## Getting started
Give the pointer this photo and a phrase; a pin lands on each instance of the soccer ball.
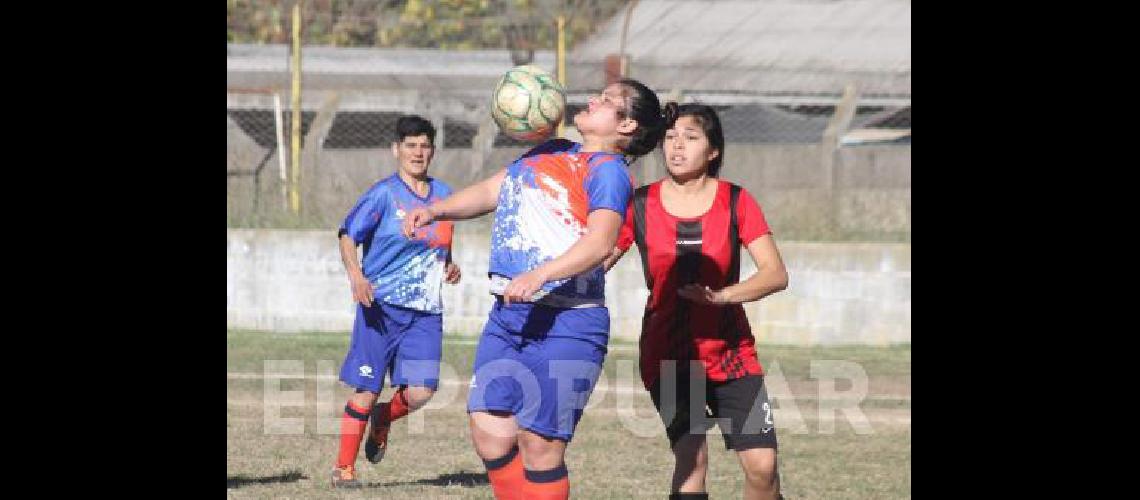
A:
(528, 103)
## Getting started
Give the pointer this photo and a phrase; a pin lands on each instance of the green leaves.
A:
(446, 24)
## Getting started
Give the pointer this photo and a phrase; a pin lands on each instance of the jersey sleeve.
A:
(625, 235)
(750, 218)
(443, 191)
(363, 217)
(608, 186)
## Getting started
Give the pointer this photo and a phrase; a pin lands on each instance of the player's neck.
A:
(597, 145)
(689, 186)
(419, 184)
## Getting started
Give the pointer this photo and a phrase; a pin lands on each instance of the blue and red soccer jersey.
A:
(543, 204)
(403, 272)
(540, 361)
(705, 250)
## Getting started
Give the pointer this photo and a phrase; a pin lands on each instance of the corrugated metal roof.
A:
(762, 46)
(354, 68)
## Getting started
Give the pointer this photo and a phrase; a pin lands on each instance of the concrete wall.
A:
(839, 293)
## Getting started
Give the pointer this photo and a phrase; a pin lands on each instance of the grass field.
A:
(619, 449)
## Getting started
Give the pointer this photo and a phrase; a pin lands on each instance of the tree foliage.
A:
(446, 24)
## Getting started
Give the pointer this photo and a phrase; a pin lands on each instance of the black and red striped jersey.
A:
(676, 251)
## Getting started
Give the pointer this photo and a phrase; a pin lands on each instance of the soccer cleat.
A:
(377, 442)
(345, 477)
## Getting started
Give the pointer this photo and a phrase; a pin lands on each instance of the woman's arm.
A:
(361, 289)
(770, 277)
(624, 239)
(613, 257)
(473, 201)
(590, 250)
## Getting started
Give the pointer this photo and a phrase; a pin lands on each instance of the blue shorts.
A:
(539, 363)
(403, 343)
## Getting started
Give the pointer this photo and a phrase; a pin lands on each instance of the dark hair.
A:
(646, 110)
(710, 123)
(412, 125)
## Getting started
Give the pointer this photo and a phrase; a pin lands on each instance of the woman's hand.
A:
(524, 286)
(362, 290)
(703, 295)
(452, 274)
(417, 218)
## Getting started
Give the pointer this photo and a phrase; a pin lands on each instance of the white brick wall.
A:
(839, 293)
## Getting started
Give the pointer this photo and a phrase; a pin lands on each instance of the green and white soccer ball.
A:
(528, 103)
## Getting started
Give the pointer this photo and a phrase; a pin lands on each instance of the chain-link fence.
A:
(826, 162)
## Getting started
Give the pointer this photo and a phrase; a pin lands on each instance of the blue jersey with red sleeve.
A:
(404, 272)
(542, 209)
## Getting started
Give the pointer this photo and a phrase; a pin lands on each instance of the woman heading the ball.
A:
(558, 209)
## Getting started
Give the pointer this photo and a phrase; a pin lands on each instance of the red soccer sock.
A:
(551, 484)
(506, 475)
(396, 408)
(352, 425)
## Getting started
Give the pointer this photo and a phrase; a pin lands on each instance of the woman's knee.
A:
(363, 399)
(760, 467)
(541, 453)
(493, 435)
(418, 396)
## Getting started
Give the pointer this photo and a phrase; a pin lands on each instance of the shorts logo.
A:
(472, 384)
(366, 371)
(767, 418)
(400, 213)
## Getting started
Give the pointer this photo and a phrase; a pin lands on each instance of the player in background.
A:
(689, 227)
(558, 209)
(398, 328)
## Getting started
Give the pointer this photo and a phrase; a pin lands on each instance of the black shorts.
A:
(740, 407)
